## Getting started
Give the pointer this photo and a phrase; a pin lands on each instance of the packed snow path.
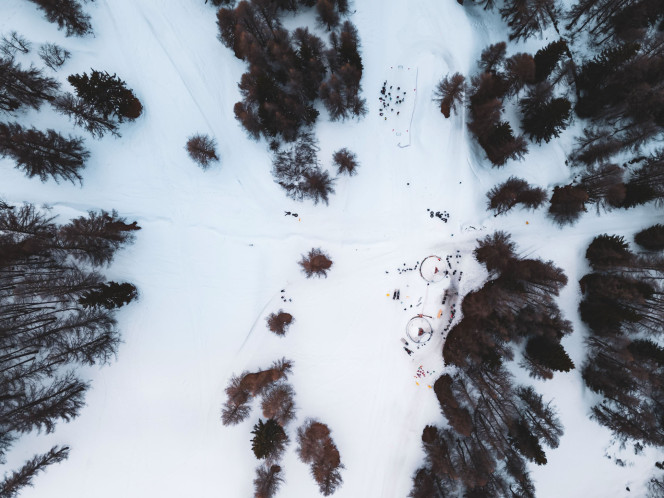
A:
(216, 250)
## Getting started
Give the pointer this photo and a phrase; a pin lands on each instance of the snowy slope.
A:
(216, 250)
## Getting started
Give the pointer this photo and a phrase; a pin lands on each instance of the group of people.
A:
(387, 100)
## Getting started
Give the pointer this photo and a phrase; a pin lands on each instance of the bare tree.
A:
(53, 55)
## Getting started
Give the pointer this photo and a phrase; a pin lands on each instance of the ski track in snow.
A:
(215, 250)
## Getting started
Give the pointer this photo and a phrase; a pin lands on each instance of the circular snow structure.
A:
(419, 329)
(432, 269)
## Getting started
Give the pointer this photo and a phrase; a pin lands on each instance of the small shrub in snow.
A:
(279, 322)
(269, 441)
(346, 162)
(53, 55)
(316, 262)
(201, 149)
(267, 482)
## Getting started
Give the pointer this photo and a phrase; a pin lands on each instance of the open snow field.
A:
(215, 252)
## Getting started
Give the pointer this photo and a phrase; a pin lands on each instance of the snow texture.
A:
(216, 251)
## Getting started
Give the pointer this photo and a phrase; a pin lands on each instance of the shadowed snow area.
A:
(215, 251)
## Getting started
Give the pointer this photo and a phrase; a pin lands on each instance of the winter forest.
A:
(297, 248)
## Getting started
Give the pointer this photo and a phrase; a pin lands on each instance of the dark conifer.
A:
(269, 441)
(68, 14)
(85, 116)
(449, 93)
(528, 17)
(567, 204)
(651, 238)
(11, 486)
(23, 88)
(106, 94)
(547, 59)
(606, 251)
(548, 120)
(43, 154)
(513, 191)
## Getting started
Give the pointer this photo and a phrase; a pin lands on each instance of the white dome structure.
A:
(432, 269)
(419, 329)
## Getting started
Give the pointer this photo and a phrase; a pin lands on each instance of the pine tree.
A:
(567, 204)
(11, 486)
(651, 238)
(85, 116)
(528, 17)
(269, 440)
(547, 121)
(95, 238)
(68, 14)
(23, 88)
(547, 59)
(267, 481)
(449, 93)
(608, 251)
(43, 154)
(109, 296)
(327, 14)
(106, 94)
(548, 353)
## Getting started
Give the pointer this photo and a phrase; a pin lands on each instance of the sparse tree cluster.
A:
(46, 270)
(243, 388)
(622, 307)
(288, 72)
(316, 447)
(513, 191)
(487, 91)
(296, 169)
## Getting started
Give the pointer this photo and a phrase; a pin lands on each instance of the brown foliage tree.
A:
(201, 148)
(278, 403)
(450, 92)
(316, 262)
(316, 447)
(345, 161)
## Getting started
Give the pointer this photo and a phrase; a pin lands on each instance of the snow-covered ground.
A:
(216, 251)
